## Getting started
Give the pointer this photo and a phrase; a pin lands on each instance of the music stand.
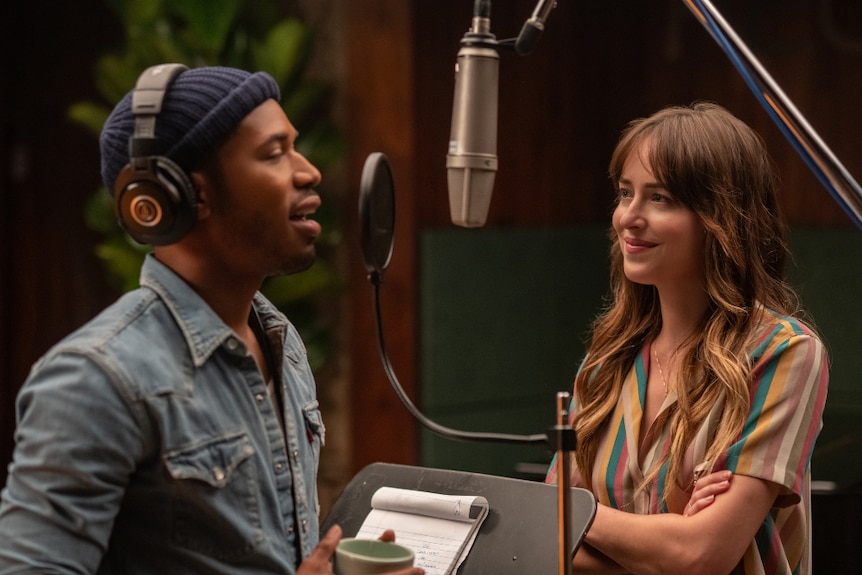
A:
(518, 536)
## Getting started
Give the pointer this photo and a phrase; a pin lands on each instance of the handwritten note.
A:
(439, 528)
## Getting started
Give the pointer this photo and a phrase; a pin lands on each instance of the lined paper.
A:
(440, 529)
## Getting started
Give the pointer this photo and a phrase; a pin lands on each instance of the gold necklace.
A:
(660, 372)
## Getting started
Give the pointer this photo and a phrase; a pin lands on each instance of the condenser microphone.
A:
(471, 162)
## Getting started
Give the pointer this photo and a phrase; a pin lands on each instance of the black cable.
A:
(440, 430)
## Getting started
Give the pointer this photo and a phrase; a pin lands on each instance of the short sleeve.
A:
(790, 379)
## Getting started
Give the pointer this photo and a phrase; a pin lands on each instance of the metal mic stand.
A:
(563, 441)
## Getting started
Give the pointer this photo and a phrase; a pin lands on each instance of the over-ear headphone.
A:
(154, 200)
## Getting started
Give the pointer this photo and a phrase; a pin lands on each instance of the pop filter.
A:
(376, 213)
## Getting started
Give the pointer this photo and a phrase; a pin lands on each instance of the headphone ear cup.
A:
(154, 201)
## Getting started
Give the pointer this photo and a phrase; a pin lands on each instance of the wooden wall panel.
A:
(51, 279)
(381, 118)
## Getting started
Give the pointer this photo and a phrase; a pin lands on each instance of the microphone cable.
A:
(441, 430)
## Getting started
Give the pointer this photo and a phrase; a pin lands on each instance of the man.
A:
(179, 431)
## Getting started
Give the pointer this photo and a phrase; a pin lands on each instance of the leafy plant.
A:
(247, 34)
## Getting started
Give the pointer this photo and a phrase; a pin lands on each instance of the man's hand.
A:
(320, 560)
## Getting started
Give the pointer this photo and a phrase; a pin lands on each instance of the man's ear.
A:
(203, 191)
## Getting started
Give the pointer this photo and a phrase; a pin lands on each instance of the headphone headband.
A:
(151, 87)
(147, 99)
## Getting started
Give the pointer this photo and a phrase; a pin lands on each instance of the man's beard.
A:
(252, 232)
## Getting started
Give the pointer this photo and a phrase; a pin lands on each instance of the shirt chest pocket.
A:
(215, 505)
(213, 462)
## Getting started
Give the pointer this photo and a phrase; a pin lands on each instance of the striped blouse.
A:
(788, 393)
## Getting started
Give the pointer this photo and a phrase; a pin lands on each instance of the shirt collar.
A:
(203, 330)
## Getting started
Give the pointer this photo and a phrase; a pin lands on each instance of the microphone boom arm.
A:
(793, 125)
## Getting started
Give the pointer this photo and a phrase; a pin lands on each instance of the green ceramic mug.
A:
(370, 557)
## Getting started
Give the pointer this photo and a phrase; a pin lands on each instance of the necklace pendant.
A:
(660, 372)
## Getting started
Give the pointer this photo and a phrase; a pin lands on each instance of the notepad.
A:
(439, 528)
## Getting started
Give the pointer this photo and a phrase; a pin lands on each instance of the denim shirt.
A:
(147, 443)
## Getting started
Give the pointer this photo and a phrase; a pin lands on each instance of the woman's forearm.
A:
(712, 541)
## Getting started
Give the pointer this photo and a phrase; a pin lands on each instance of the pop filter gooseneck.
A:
(377, 228)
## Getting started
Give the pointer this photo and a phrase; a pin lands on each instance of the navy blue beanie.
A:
(202, 108)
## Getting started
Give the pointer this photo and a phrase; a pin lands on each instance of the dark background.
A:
(598, 65)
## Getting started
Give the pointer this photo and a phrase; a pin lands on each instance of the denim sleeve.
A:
(77, 441)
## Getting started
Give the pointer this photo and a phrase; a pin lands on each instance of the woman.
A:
(698, 403)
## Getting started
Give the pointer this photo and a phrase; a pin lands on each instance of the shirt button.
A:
(278, 467)
(259, 397)
(304, 524)
(296, 455)
(232, 344)
(218, 473)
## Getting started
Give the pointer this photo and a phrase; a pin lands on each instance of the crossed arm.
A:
(710, 536)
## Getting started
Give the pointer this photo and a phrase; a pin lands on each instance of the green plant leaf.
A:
(283, 52)
(314, 282)
(114, 77)
(130, 12)
(322, 145)
(90, 115)
(99, 213)
(306, 100)
(123, 260)
(205, 24)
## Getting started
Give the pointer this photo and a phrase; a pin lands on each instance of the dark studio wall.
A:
(50, 279)
(598, 65)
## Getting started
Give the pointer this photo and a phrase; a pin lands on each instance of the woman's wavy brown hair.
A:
(718, 167)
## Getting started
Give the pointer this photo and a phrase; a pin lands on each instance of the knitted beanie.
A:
(201, 109)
